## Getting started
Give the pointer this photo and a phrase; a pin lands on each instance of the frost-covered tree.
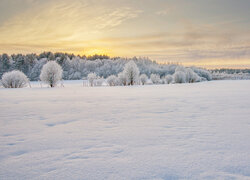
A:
(203, 73)
(131, 72)
(155, 78)
(122, 79)
(51, 73)
(191, 76)
(143, 79)
(168, 79)
(14, 79)
(91, 78)
(112, 80)
(180, 74)
(179, 77)
(99, 81)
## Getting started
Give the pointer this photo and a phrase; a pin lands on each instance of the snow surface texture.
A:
(176, 131)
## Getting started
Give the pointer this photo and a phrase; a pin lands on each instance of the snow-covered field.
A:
(177, 131)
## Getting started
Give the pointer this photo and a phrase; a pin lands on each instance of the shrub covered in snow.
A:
(179, 77)
(202, 73)
(122, 79)
(191, 76)
(99, 81)
(51, 73)
(155, 78)
(14, 79)
(168, 79)
(112, 80)
(91, 78)
(143, 79)
(131, 72)
(186, 75)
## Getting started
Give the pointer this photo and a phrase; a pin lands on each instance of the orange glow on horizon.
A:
(93, 51)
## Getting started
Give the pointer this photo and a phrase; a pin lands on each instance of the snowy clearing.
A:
(176, 131)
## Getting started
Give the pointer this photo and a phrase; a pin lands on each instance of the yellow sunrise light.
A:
(93, 51)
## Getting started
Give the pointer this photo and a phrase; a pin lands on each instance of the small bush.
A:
(143, 79)
(99, 81)
(168, 79)
(91, 78)
(155, 78)
(122, 79)
(14, 79)
(112, 80)
(179, 77)
(191, 76)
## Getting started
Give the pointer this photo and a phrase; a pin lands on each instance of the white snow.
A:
(176, 131)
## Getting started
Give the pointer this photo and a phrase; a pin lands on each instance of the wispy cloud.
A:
(115, 17)
(63, 23)
(165, 11)
(164, 31)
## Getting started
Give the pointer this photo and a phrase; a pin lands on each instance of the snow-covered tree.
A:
(14, 79)
(91, 78)
(99, 81)
(143, 79)
(155, 78)
(191, 76)
(202, 73)
(131, 72)
(168, 79)
(51, 73)
(179, 77)
(112, 80)
(122, 79)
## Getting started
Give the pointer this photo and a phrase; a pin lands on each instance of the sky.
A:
(206, 33)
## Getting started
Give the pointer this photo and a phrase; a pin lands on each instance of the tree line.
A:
(77, 67)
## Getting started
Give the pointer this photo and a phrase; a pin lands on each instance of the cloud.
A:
(167, 9)
(60, 20)
(162, 13)
(116, 17)
(188, 45)
(159, 32)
